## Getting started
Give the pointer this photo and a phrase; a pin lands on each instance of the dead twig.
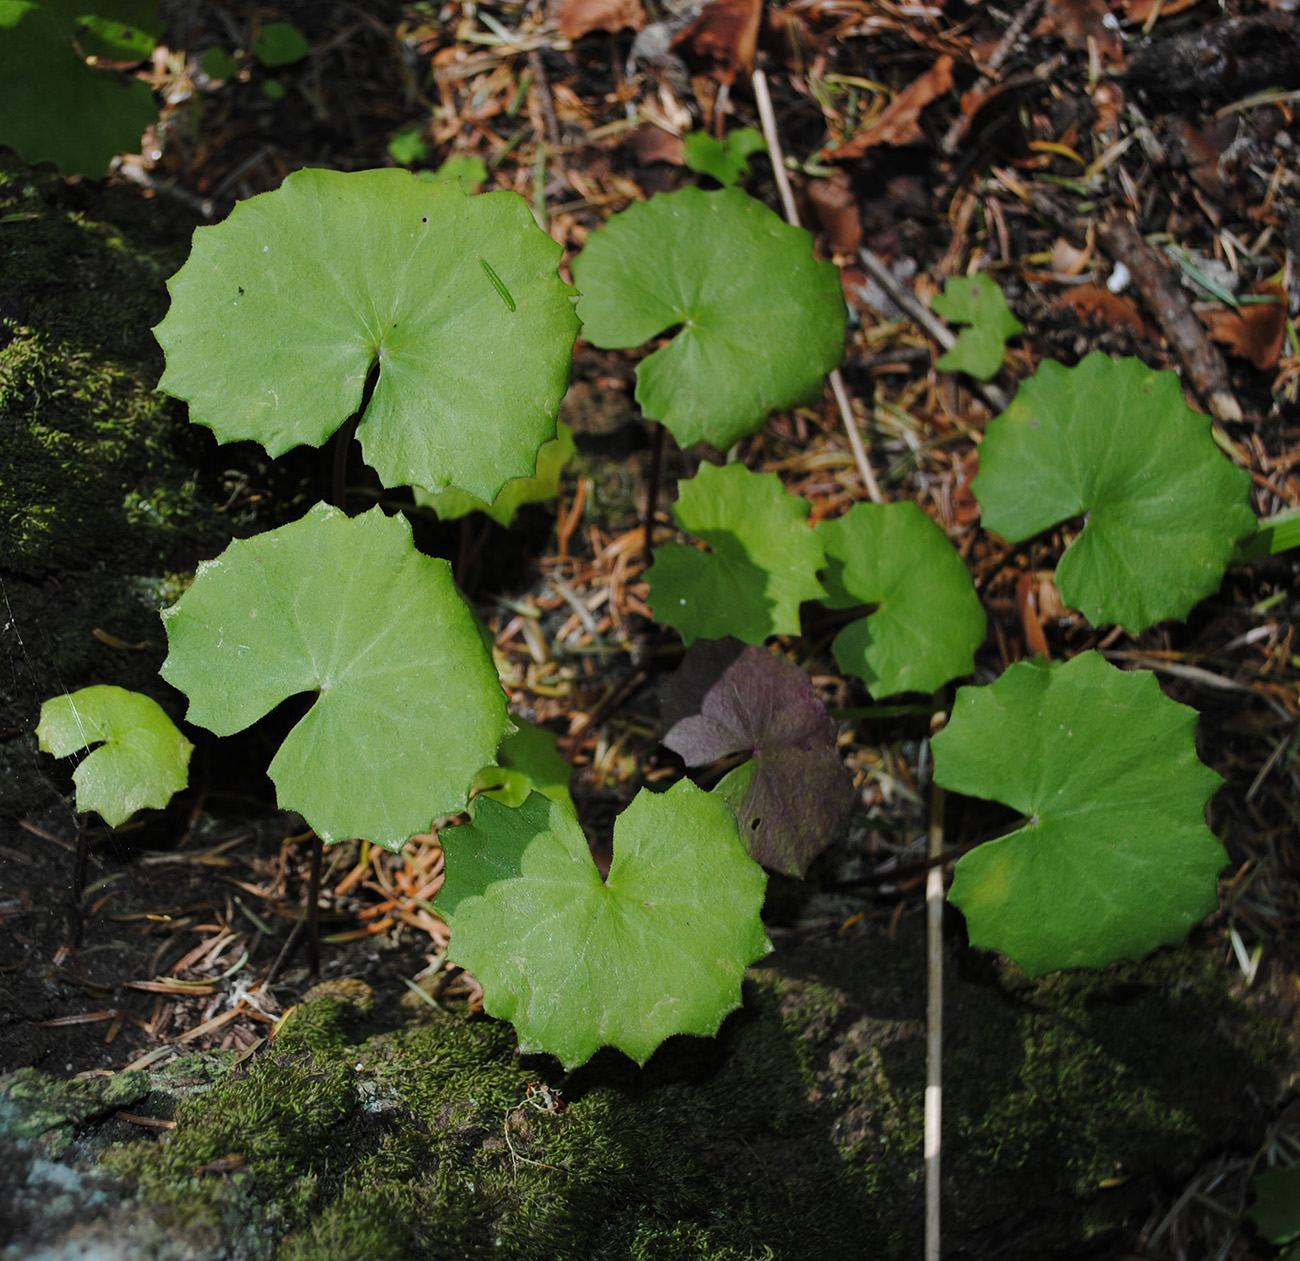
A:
(775, 152)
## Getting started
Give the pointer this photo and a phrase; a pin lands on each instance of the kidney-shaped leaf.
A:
(54, 107)
(408, 709)
(142, 759)
(758, 321)
(1114, 858)
(577, 964)
(763, 563)
(794, 795)
(929, 620)
(1115, 440)
(281, 312)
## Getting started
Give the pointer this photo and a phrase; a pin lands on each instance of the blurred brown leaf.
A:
(1092, 302)
(576, 18)
(836, 208)
(727, 32)
(1256, 332)
(898, 122)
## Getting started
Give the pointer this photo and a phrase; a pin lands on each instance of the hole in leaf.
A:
(754, 823)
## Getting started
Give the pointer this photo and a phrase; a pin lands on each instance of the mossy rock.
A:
(1070, 1103)
(96, 462)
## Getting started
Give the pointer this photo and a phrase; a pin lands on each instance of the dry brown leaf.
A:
(649, 143)
(836, 209)
(897, 123)
(1140, 10)
(576, 18)
(1069, 261)
(1255, 332)
(1093, 302)
(1077, 21)
(727, 32)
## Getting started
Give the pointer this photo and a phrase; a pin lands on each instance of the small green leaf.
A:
(408, 707)
(1114, 858)
(218, 64)
(408, 147)
(56, 108)
(528, 761)
(471, 171)
(726, 161)
(577, 964)
(283, 310)
(123, 31)
(762, 565)
(1115, 440)
(980, 349)
(929, 620)
(280, 44)
(142, 759)
(1277, 1206)
(758, 321)
(551, 459)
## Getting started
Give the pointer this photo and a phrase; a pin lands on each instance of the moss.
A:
(797, 1130)
(95, 460)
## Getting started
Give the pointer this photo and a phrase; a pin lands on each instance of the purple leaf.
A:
(793, 797)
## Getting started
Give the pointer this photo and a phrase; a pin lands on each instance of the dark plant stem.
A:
(313, 907)
(79, 860)
(342, 444)
(652, 490)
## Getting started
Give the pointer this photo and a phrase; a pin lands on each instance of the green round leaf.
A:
(551, 459)
(408, 706)
(577, 964)
(142, 759)
(763, 563)
(280, 44)
(726, 161)
(218, 64)
(760, 321)
(980, 349)
(470, 169)
(56, 108)
(1114, 858)
(282, 311)
(929, 620)
(1115, 440)
(527, 761)
(1277, 1208)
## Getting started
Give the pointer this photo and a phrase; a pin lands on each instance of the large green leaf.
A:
(980, 349)
(1277, 1206)
(1114, 858)
(577, 964)
(142, 759)
(282, 311)
(408, 705)
(928, 622)
(54, 107)
(764, 560)
(758, 321)
(1115, 440)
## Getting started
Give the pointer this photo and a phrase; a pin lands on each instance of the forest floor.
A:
(1055, 147)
